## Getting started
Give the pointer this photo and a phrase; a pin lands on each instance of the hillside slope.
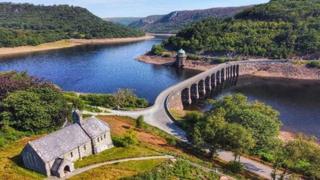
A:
(278, 29)
(27, 24)
(123, 20)
(175, 21)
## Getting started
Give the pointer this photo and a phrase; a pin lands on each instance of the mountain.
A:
(175, 21)
(278, 29)
(27, 24)
(123, 20)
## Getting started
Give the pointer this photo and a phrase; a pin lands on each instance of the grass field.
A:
(11, 165)
(120, 170)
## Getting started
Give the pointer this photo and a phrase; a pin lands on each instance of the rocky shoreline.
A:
(287, 70)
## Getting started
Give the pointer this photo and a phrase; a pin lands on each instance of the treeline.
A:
(278, 29)
(27, 24)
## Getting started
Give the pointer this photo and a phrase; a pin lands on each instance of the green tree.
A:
(26, 112)
(208, 131)
(236, 139)
(34, 110)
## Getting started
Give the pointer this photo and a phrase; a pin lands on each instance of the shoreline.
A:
(167, 61)
(288, 70)
(67, 43)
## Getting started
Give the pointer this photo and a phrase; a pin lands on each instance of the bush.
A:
(266, 156)
(157, 50)
(125, 141)
(171, 141)
(140, 122)
(193, 57)
(313, 64)
(235, 167)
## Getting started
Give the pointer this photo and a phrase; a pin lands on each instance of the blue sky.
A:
(141, 8)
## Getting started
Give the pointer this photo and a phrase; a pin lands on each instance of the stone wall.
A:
(31, 160)
(102, 143)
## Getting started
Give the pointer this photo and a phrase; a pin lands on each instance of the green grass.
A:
(119, 170)
(175, 170)
(117, 153)
(11, 166)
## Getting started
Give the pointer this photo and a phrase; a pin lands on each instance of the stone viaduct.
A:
(191, 90)
(212, 82)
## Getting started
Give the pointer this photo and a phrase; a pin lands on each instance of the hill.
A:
(175, 21)
(123, 20)
(27, 24)
(278, 29)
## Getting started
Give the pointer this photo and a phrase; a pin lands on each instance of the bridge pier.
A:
(202, 88)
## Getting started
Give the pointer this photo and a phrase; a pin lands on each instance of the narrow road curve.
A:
(158, 116)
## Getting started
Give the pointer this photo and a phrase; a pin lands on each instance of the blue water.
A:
(100, 69)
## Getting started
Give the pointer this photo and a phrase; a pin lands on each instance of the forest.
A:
(27, 24)
(278, 29)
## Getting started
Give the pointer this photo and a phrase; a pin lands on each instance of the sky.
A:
(141, 8)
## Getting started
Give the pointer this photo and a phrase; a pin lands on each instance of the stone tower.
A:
(181, 58)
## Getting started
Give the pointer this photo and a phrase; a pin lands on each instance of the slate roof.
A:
(60, 142)
(64, 140)
(95, 127)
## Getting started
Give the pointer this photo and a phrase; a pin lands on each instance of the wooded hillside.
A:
(278, 29)
(27, 24)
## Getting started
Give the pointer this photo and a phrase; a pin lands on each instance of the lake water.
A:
(297, 101)
(100, 69)
(105, 69)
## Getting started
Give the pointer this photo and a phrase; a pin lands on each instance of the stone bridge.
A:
(191, 90)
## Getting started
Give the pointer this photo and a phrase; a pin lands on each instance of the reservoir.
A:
(105, 69)
(297, 101)
(100, 69)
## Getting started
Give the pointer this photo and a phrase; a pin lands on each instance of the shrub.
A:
(140, 122)
(313, 64)
(126, 140)
(235, 167)
(171, 141)
(157, 50)
(266, 156)
(193, 57)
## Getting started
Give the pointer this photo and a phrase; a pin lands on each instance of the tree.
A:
(208, 131)
(25, 112)
(302, 155)
(236, 139)
(259, 118)
(34, 110)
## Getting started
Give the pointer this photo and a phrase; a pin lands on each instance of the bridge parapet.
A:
(213, 80)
